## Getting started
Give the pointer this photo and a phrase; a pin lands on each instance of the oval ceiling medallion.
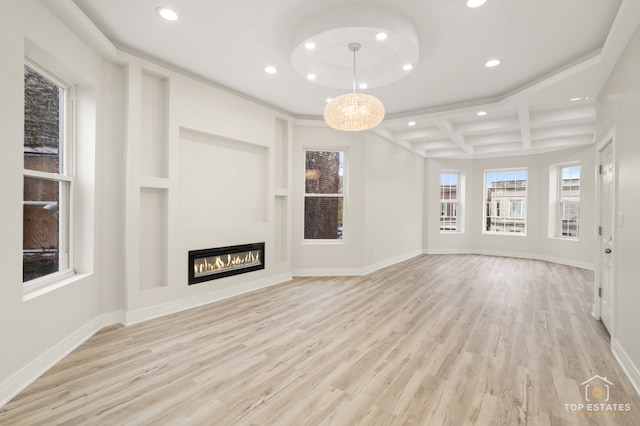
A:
(379, 61)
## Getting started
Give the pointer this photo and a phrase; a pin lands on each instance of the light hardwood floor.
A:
(436, 340)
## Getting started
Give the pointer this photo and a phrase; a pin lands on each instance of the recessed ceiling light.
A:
(381, 36)
(270, 70)
(328, 100)
(575, 99)
(311, 77)
(309, 45)
(475, 3)
(167, 14)
(411, 123)
(407, 67)
(363, 85)
(492, 63)
(482, 113)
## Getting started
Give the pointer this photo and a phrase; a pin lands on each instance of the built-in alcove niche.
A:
(153, 238)
(280, 224)
(154, 179)
(223, 185)
(281, 154)
(281, 198)
(154, 102)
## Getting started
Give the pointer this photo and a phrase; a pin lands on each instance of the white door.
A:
(607, 191)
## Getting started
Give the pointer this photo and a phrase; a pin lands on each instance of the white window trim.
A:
(459, 200)
(555, 201)
(54, 280)
(345, 174)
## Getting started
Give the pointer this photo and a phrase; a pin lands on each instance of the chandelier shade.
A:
(354, 112)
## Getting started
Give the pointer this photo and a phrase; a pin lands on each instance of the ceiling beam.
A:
(496, 138)
(447, 128)
(564, 131)
(587, 112)
(430, 145)
(418, 134)
(486, 126)
(568, 141)
(524, 116)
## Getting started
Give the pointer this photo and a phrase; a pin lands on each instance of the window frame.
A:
(560, 201)
(66, 175)
(496, 205)
(517, 202)
(456, 203)
(343, 195)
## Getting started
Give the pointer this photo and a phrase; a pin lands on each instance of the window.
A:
(48, 180)
(505, 197)
(569, 201)
(449, 202)
(324, 195)
(515, 209)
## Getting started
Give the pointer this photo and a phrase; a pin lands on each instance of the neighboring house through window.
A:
(505, 195)
(564, 201)
(450, 202)
(570, 201)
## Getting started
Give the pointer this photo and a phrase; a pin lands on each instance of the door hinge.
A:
(600, 169)
(600, 292)
(600, 231)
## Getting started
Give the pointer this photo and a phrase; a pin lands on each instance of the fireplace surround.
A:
(213, 263)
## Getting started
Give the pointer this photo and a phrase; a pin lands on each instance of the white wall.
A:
(393, 203)
(536, 244)
(383, 213)
(343, 257)
(619, 111)
(110, 190)
(38, 329)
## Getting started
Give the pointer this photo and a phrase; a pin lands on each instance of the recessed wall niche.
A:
(281, 181)
(223, 182)
(154, 101)
(280, 224)
(281, 153)
(153, 238)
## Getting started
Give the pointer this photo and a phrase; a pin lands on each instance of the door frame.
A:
(609, 138)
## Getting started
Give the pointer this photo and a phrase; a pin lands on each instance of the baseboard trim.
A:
(630, 369)
(534, 256)
(145, 314)
(333, 272)
(355, 272)
(392, 261)
(17, 382)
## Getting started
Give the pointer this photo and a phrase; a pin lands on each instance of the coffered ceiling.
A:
(555, 57)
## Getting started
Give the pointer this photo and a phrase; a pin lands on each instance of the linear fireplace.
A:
(214, 263)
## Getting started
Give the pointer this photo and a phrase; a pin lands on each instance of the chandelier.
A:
(353, 112)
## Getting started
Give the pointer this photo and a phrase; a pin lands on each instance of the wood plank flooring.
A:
(436, 340)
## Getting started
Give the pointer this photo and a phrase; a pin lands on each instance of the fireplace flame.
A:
(215, 264)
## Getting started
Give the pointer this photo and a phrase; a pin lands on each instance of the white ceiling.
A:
(551, 51)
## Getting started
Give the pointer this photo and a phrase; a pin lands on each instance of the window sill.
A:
(506, 234)
(565, 239)
(35, 290)
(323, 242)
